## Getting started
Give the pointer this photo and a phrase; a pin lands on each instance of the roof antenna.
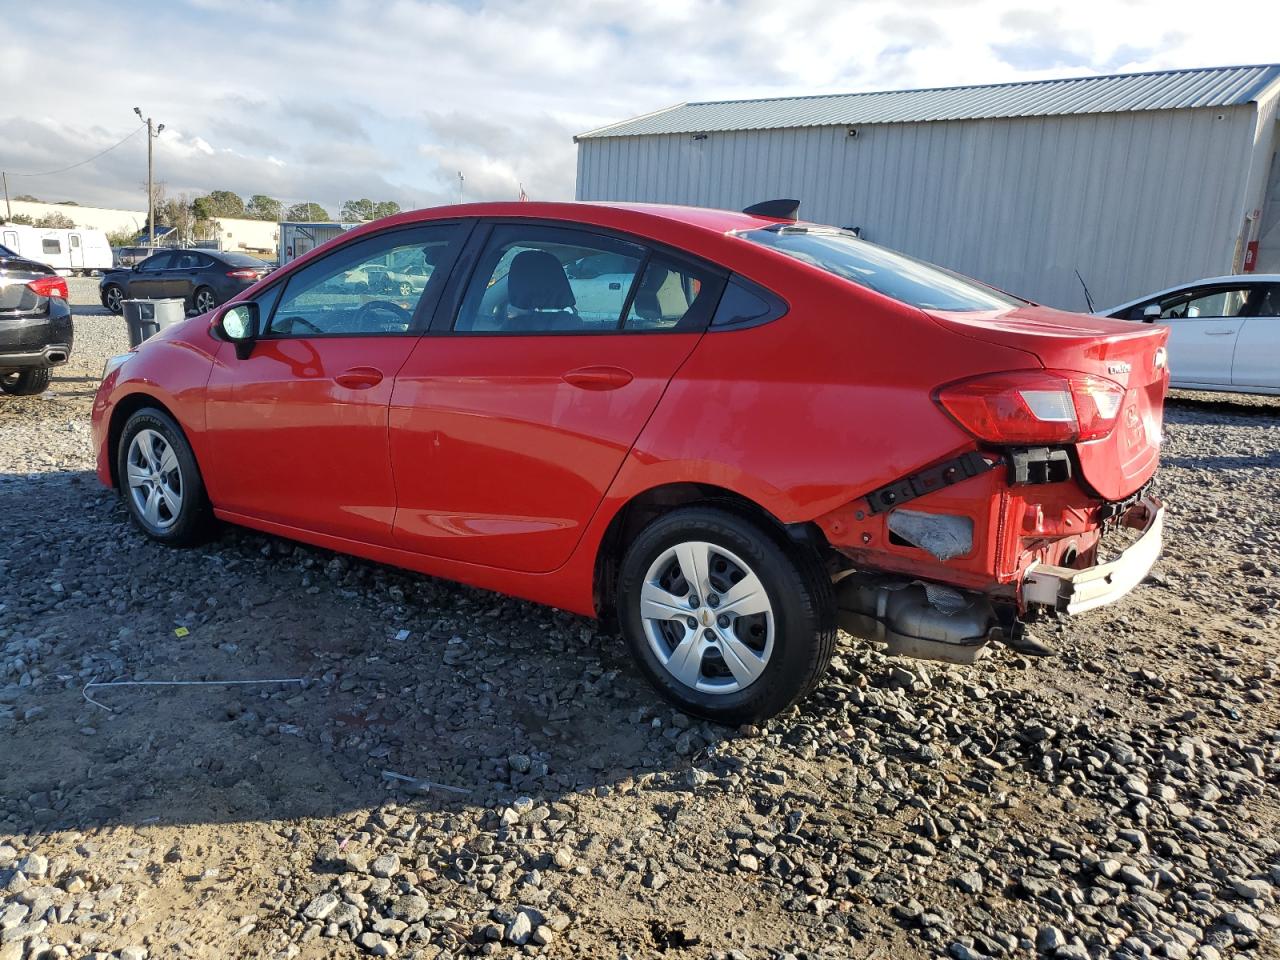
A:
(775, 210)
(1087, 299)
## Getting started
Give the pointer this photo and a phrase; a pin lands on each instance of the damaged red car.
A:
(729, 433)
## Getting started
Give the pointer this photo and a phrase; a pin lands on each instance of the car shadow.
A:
(397, 684)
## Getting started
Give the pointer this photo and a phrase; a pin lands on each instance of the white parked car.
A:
(1224, 332)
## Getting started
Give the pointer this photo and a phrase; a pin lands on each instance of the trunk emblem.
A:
(1119, 368)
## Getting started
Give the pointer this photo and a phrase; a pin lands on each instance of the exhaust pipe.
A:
(56, 356)
(913, 618)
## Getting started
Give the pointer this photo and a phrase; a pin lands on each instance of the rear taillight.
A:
(49, 287)
(244, 274)
(1034, 406)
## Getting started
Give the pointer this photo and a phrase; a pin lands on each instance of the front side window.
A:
(534, 279)
(370, 286)
(1220, 302)
(51, 246)
(885, 271)
(159, 262)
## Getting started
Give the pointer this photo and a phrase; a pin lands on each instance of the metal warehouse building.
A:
(1139, 181)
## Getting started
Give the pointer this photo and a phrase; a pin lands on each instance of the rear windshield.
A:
(893, 274)
(241, 260)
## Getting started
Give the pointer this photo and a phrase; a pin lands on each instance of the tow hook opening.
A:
(913, 618)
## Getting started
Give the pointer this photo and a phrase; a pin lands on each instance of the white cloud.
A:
(335, 99)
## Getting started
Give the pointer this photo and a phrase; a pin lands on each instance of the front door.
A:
(299, 429)
(146, 281)
(509, 422)
(77, 251)
(1203, 325)
(1257, 361)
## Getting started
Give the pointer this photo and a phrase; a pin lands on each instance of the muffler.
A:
(913, 618)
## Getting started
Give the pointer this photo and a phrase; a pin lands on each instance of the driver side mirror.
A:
(1151, 314)
(239, 324)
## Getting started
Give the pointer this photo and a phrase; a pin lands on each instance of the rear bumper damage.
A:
(1075, 591)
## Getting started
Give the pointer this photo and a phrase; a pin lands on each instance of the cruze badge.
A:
(1119, 368)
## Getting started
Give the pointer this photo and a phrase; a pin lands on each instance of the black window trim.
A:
(450, 302)
(422, 312)
(778, 306)
(1195, 292)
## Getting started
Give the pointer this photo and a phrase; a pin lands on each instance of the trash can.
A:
(146, 318)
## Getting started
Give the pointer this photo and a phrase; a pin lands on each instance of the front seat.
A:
(538, 294)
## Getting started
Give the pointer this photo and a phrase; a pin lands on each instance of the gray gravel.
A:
(500, 783)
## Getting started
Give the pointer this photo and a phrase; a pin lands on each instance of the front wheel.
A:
(727, 619)
(160, 480)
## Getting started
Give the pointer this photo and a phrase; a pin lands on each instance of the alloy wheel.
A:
(707, 617)
(114, 299)
(155, 480)
(205, 301)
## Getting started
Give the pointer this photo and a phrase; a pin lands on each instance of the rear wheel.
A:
(160, 480)
(727, 619)
(204, 300)
(25, 383)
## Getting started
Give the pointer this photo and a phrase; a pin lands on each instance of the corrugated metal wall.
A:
(1135, 201)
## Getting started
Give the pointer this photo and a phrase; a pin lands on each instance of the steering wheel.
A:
(405, 316)
(303, 322)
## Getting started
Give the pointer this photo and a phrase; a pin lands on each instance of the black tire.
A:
(203, 300)
(193, 521)
(799, 592)
(25, 383)
(113, 298)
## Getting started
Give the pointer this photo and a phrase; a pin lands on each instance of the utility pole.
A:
(151, 207)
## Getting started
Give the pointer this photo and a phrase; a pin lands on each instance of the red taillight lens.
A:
(244, 274)
(49, 287)
(1034, 406)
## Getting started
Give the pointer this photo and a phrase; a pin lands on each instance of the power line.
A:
(49, 173)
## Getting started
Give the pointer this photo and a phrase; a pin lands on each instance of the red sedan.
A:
(732, 432)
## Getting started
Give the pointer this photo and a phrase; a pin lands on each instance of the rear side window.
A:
(746, 305)
(51, 246)
(670, 293)
(885, 271)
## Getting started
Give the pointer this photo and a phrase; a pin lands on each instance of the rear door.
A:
(1257, 356)
(299, 429)
(510, 420)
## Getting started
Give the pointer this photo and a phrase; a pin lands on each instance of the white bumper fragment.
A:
(1074, 591)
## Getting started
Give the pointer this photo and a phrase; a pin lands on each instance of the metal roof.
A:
(1159, 90)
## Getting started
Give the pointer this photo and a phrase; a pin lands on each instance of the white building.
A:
(1139, 181)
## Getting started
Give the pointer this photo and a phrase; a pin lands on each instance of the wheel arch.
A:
(642, 508)
(123, 409)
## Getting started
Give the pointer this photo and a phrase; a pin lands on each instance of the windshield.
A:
(6, 252)
(893, 274)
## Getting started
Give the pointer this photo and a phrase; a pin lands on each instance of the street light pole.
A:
(151, 211)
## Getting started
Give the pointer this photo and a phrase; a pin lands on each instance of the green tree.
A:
(262, 207)
(56, 221)
(22, 220)
(121, 238)
(27, 197)
(357, 211)
(309, 212)
(385, 208)
(219, 203)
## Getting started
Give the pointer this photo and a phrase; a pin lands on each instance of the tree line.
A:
(194, 217)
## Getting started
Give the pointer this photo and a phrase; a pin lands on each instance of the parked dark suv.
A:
(203, 278)
(35, 324)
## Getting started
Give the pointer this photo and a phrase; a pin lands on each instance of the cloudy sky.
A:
(328, 100)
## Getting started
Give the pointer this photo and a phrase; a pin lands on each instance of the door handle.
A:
(359, 378)
(598, 378)
(1219, 333)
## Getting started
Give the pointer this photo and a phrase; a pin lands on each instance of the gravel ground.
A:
(461, 774)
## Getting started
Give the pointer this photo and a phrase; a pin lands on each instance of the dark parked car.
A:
(203, 278)
(35, 323)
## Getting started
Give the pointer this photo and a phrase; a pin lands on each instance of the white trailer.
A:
(70, 252)
(299, 238)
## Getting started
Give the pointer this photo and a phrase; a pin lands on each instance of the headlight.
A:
(114, 363)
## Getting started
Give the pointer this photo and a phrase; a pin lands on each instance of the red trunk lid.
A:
(1129, 354)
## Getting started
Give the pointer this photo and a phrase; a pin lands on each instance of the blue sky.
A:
(329, 100)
